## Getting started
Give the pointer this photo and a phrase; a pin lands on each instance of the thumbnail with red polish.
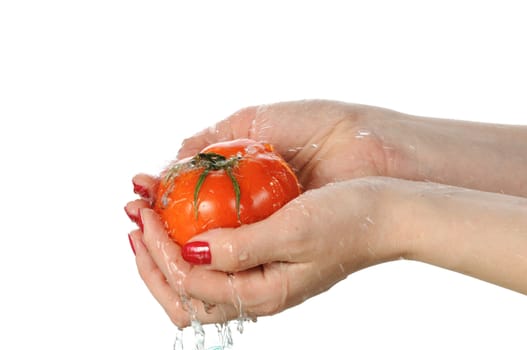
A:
(140, 190)
(197, 253)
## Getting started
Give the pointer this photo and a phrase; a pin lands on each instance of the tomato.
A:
(227, 184)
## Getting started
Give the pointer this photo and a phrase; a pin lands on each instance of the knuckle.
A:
(236, 255)
(298, 220)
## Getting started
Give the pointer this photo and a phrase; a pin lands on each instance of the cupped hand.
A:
(324, 141)
(260, 269)
(300, 251)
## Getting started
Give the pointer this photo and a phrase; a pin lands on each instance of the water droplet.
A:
(362, 134)
(295, 149)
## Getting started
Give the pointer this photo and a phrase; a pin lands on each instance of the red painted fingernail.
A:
(140, 190)
(131, 243)
(197, 253)
(139, 221)
(135, 218)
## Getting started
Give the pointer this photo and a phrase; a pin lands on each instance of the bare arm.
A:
(476, 233)
(487, 157)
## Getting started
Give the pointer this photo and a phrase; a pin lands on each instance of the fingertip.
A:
(197, 253)
(197, 250)
(145, 185)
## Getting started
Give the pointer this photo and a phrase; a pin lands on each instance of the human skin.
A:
(380, 185)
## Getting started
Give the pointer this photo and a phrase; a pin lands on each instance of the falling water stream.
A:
(224, 332)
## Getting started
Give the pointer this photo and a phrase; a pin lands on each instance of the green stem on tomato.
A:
(200, 182)
(237, 192)
(215, 162)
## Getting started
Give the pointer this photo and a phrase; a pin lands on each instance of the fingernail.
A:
(135, 218)
(197, 253)
(140, 190)
(131, 243)
(139, 221)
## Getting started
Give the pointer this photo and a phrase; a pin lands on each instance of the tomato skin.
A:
(265, 180)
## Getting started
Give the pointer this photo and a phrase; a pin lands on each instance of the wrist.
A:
(384, 214)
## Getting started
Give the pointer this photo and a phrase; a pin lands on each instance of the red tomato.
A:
(227, 184)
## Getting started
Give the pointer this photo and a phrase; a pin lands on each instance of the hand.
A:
(328, 233)
(303, 249)
(324, 141)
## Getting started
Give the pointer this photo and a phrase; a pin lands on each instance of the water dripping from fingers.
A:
(242, 317)
(225, 335)
(178, 342)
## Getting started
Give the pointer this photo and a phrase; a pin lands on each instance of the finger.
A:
(238, 249)
(283, 236)
(165, 252)
(177, 306)
(132, 210)
(145, 185)
(259, 291)
(156, 282)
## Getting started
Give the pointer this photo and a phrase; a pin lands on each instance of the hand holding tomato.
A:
(301, 250)
(323, 141)
(316, 138)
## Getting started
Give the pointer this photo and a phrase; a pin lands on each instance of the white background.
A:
(92, 92)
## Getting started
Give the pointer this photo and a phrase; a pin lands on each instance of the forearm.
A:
(480, 234)
(486, 157)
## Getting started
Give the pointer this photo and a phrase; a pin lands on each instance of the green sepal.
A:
(237, 192)
(200, 182)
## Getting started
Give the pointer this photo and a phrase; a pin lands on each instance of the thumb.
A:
(238, 249)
